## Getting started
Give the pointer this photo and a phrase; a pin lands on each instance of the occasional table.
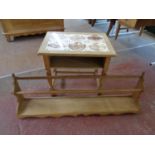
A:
(75, 50)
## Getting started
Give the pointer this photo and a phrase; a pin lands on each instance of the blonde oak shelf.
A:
(57, 107)
(110, 101)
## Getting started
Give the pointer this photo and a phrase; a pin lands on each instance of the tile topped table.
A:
(76, 50)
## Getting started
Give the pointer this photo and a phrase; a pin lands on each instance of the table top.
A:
(76, 44)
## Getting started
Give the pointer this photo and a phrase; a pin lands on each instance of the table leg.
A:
(106, 64)
(48, 70)
(104, 71)
(100, 81)
(62, 80)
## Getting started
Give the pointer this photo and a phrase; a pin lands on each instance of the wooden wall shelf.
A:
(111, 101)
(57, 107)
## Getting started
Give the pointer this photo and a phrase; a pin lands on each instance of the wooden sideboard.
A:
(23, 27)
(137, 23)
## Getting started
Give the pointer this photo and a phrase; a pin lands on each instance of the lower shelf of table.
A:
(76, 62)
(61, 106)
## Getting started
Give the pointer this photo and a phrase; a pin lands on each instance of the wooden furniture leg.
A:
(100, 82)
(141, 30)
(48, 69)
(104, 71)
(140, 84)
(112, 23)
(10, 38)
(106, 64)
(117, 30)
(89, 21)
(93, 21)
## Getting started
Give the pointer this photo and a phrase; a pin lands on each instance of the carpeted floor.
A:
(134, 55)
(142, 123)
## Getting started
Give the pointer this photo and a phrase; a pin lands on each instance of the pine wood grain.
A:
(57, 107)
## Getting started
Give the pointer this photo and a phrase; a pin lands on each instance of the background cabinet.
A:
(22, 27)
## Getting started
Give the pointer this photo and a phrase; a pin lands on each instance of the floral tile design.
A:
(76, 42)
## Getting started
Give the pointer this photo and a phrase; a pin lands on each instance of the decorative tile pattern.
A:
(76, 42)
